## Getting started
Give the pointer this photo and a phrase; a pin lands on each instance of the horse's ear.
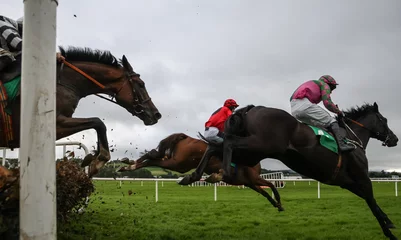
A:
(376, 107)
(126, 64)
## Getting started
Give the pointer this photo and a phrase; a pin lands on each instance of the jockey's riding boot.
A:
(344, 147)
(4, 62)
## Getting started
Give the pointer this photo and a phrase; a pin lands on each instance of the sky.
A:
(195, 54)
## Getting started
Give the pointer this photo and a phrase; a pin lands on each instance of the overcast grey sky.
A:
(195, 54)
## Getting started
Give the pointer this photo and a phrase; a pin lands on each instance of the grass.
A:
(191, 213)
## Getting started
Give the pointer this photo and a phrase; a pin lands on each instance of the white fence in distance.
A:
(157, 180)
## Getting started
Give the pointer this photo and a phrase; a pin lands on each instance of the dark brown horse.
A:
(181, 153)
(274, 133)
(86, 72)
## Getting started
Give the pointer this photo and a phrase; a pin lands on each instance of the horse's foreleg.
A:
(266, 195)
(366, 192)
(389, 223)
(67, 126)
(197, 174)
(148, 159)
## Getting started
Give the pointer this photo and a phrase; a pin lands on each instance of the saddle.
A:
(10, 81)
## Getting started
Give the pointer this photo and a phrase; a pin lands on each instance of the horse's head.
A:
(380, 129)
(373, 121)
(111, 78)
(131, 93)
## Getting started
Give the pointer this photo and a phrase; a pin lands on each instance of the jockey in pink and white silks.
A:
(304, 107)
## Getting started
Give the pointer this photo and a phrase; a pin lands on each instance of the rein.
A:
(136, 99)
(84, 74)
(363, 126)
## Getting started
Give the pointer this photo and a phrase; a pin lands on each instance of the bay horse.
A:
(181, 153)
(86, 72)
(274, 133)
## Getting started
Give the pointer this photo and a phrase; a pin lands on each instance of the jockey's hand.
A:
(59, 57)
(341, 114)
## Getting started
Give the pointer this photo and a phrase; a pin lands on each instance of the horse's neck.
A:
(83, 86)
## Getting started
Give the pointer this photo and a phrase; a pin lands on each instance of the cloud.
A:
(195, 54)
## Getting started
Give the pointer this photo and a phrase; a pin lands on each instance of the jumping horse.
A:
(274, 133)
(86, 72)
(182, 153)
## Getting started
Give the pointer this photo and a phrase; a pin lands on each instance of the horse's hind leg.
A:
(365, 191)
(251, 143)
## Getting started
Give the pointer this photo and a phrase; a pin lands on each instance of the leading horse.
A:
(86, 72)
(182, 153)
(274, 133)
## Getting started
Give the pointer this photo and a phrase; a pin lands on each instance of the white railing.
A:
(157, 180)
(58, 144)
(71, 143)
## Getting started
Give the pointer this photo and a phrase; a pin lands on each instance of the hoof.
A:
(185, 181)
(280, 208)
(214, 178)
(115, 176)
(87, 160)
(390, 225)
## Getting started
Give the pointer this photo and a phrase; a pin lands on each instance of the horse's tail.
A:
(169, 143)
(235, 125)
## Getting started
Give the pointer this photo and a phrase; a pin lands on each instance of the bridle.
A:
(137, 104)
(379, 135)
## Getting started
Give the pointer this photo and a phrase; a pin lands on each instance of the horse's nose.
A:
(158, 115)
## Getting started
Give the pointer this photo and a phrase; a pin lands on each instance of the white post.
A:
(3, 162)
(120, 183)
(162, 184)
(157, 191)
(318, 189)
(38, 217)
(215, 192)
(142, 184)
(396, 189)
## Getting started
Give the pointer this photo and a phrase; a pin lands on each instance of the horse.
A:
(86, 72)
(274, 133)
(181, 153)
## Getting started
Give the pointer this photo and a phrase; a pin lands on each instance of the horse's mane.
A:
(358, 111)
(91, 55)
(170, 142)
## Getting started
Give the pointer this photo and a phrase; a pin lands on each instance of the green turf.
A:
(191, 213)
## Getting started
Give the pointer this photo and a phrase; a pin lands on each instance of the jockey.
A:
(304, 107)
(214, 127)
(11, 41)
